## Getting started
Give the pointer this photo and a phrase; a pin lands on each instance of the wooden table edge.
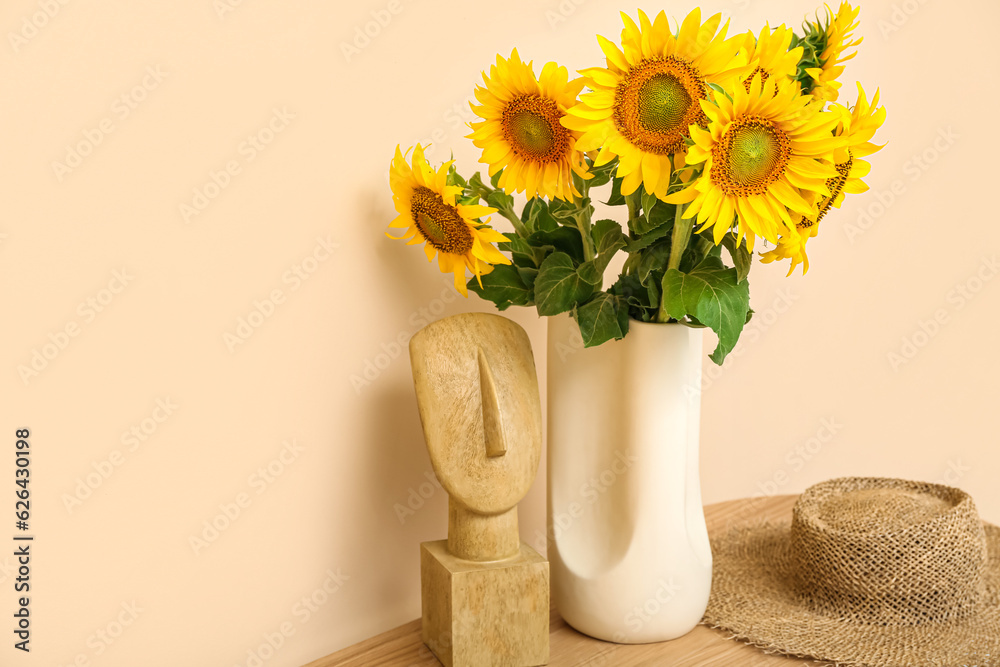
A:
(719, 517)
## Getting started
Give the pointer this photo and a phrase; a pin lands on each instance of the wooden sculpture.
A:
(485, 594)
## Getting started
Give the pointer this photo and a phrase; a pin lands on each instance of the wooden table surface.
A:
(702, 647)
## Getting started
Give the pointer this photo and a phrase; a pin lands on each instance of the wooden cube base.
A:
(485, 614)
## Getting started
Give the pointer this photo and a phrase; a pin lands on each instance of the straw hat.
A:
(872, 572)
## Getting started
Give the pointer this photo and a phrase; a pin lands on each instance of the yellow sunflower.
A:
(770, 56)
(791, 245)
(428, 212)
(643, 102)
(521, 133)
(837, 37)
(764, 154)
(857, 127)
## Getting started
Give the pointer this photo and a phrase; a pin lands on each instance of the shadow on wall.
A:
(406, 505)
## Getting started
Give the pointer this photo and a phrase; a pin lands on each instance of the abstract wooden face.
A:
(477, 393)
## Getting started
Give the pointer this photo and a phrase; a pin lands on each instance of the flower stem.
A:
(633, 204)
(582, 217)
(679, 238)
(519, 227)
(661, 313)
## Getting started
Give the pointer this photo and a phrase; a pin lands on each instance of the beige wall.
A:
(197, 84)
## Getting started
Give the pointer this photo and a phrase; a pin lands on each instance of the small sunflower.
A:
(835, 37)
(791, 245)
(770, 55)
(857, 127)
(764, 155)
(521, 133)
(428, 212)
(648, 95)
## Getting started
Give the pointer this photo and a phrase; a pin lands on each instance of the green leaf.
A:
(495, 178)
(699, 248)
(601, 319)
(608, 240)
(476, 182)
(521, 252)
(713, 296)
(608, 237)
(717, 88)
(643, 300)
(562, 239)
(455, 178)
(532, 209)
(630, 289)
(653, 297)
(599, 179)
(654, 218)
(546, 223)
(601, 175)
(648, 202)
(528, 276)
(504, 287)
(500, 200)
(537, 217)
(646, 240)
(562, 210)
(616, 199)
(741, 256)
(558, 286)
(653, 260)
(476, 189)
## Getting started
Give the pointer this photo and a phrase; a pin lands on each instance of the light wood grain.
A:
(703, 647)
(485, 614)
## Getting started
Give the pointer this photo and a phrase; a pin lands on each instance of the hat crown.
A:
(889, 552)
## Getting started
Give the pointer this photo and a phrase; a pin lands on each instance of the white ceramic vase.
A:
(627, 544)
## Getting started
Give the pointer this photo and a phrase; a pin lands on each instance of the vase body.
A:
(627, 542)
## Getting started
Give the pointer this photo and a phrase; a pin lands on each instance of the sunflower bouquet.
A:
(706, 142)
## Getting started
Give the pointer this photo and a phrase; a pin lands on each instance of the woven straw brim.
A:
(753, 599)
